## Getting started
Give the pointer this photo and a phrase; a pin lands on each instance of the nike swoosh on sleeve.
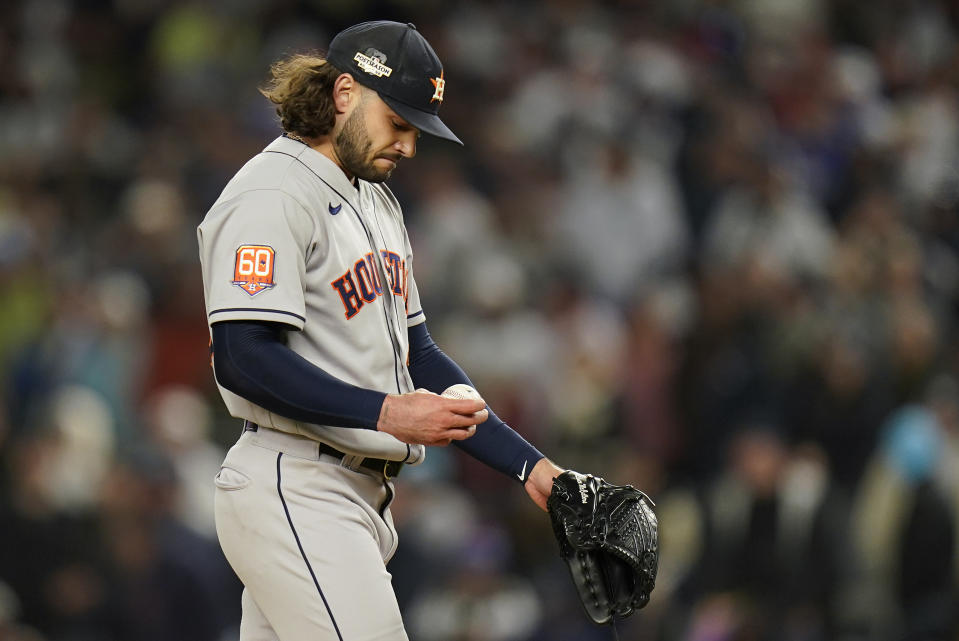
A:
(522, 475)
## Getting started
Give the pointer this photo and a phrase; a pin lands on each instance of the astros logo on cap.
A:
(440, 85)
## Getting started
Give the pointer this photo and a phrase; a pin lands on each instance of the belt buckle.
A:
(350, 462)
(386, 469)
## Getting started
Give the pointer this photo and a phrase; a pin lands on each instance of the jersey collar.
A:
(319, 164)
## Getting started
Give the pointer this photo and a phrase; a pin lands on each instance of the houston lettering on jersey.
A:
(361, 284)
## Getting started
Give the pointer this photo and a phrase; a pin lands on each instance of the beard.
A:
(353, 148)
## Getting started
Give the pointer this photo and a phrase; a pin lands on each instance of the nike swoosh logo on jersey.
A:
(335, 210)
(522, 475)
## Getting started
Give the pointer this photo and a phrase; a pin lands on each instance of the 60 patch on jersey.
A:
(253, 271)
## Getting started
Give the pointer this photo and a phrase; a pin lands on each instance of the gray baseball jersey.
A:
(291, 240)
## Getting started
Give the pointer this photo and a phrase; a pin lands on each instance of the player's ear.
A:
(345, 90)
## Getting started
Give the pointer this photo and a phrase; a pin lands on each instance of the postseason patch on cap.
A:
(372, 62)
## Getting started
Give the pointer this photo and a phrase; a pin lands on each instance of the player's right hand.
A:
(424, 418)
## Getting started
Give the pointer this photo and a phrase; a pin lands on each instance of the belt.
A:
(386, 467)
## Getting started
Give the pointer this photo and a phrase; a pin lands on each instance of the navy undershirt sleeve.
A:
(251, 359)
(495, 443)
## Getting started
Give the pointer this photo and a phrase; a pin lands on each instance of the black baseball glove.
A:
(608, 536)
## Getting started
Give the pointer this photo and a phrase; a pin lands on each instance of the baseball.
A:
(461, 390)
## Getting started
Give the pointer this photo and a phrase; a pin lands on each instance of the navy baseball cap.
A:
(398, 63)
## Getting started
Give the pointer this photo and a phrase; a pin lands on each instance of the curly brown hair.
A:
(302, 90)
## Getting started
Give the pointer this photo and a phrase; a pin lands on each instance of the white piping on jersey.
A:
(392, 330)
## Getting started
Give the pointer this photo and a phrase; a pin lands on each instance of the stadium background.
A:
(707, 247)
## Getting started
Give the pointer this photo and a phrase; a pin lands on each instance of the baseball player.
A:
(320, 344)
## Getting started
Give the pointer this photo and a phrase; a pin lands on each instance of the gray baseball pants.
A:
(309, 539)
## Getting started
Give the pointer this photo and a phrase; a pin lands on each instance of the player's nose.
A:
(406, 144)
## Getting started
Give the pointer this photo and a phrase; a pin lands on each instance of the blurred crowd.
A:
(707, 247)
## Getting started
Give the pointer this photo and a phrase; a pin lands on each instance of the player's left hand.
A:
(540, 481)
